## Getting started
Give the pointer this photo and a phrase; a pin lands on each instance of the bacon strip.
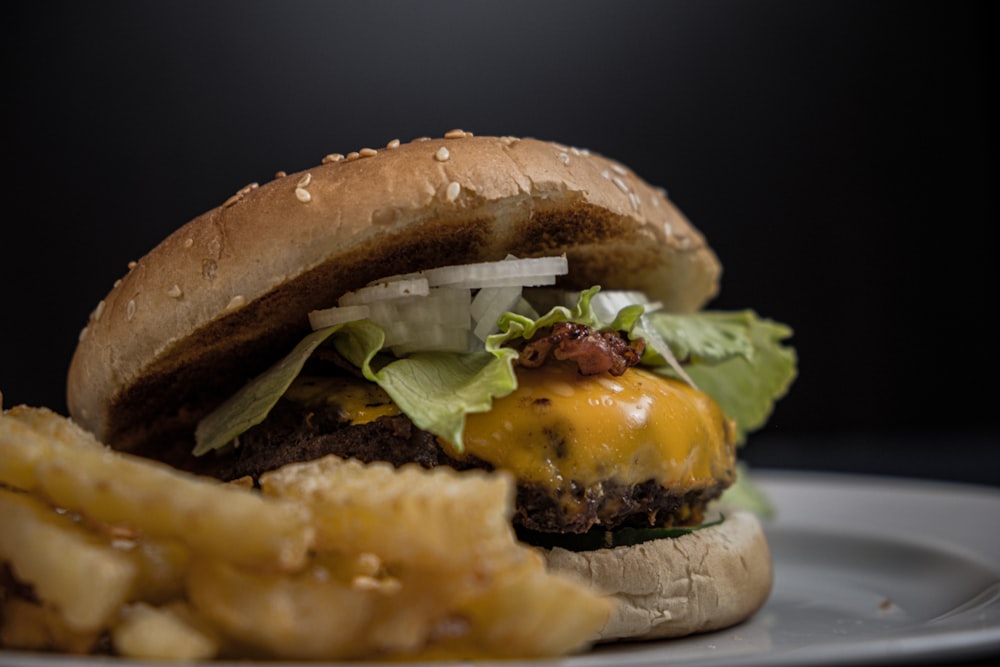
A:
(593, 351)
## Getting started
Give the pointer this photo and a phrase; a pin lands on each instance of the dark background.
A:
(839, 156)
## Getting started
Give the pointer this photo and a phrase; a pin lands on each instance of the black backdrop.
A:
(840, 157)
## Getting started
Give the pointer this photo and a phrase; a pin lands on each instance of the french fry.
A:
(437, 519)
(50, 424)
(21, 448)
(57, 463)
(31, 626)
(336, 560)
(306, 615)
(85, 579)
(161, 633)
(505, 620)
(161, 569)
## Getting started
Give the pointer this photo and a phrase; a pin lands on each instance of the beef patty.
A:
(294, 433)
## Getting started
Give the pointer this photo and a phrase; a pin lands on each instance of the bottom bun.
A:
(707, 580)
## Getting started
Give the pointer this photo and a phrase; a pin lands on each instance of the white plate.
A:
(867, 570)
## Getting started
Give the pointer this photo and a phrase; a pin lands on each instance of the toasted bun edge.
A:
(707, 580)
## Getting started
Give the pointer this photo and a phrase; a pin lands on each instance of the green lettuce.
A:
(737, 358)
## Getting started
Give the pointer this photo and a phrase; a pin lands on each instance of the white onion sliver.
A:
(516, 281)
(385, 290)
(442, 306)
(607, 303)
(484, 299)
(396, 278)
(490, 303)
(486, 274)
(320, 319)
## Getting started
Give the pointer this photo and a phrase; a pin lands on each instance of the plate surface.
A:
(867, 570)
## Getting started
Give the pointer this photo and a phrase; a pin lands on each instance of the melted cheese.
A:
(358, 401)
(559, 426)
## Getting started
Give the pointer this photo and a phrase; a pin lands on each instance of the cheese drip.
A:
(559, 426)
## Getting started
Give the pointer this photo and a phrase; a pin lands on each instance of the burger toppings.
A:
(600, 429)
(594, 352)
(435, 310)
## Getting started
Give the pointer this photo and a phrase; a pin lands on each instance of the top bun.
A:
(228, 293)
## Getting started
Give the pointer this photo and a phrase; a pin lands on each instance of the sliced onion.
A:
(383, 290)
(607, 303)
(434, 309)
(529, 271)
(490, 303)
(328, 317)
(443, 306)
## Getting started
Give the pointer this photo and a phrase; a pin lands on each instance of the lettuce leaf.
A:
(737, 358)
(251, 404)
(434, 389)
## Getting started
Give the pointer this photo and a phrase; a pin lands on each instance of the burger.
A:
(476, 302)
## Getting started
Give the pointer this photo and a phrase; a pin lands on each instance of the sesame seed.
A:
(655, 201)
(353, 155)
(455, 134)
(367, 152)
(393, 144)
(83, 334)
(175, 291)
(333, 157)
(621, 184)
(239, 195)
(281, 173)
(303, 195)
(453, 190)
(117, 283)
(188, 243)
(668, 229)
(620, 170)
(634, 200)
(130, 310)
(236, 302)
(564, 158)
(606, 174)
(442, 154)
(98, 311)
(421, 139)
(132, 265)
(305, 180)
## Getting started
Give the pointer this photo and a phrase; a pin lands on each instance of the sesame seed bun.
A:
(707, 580)
(226, 294)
